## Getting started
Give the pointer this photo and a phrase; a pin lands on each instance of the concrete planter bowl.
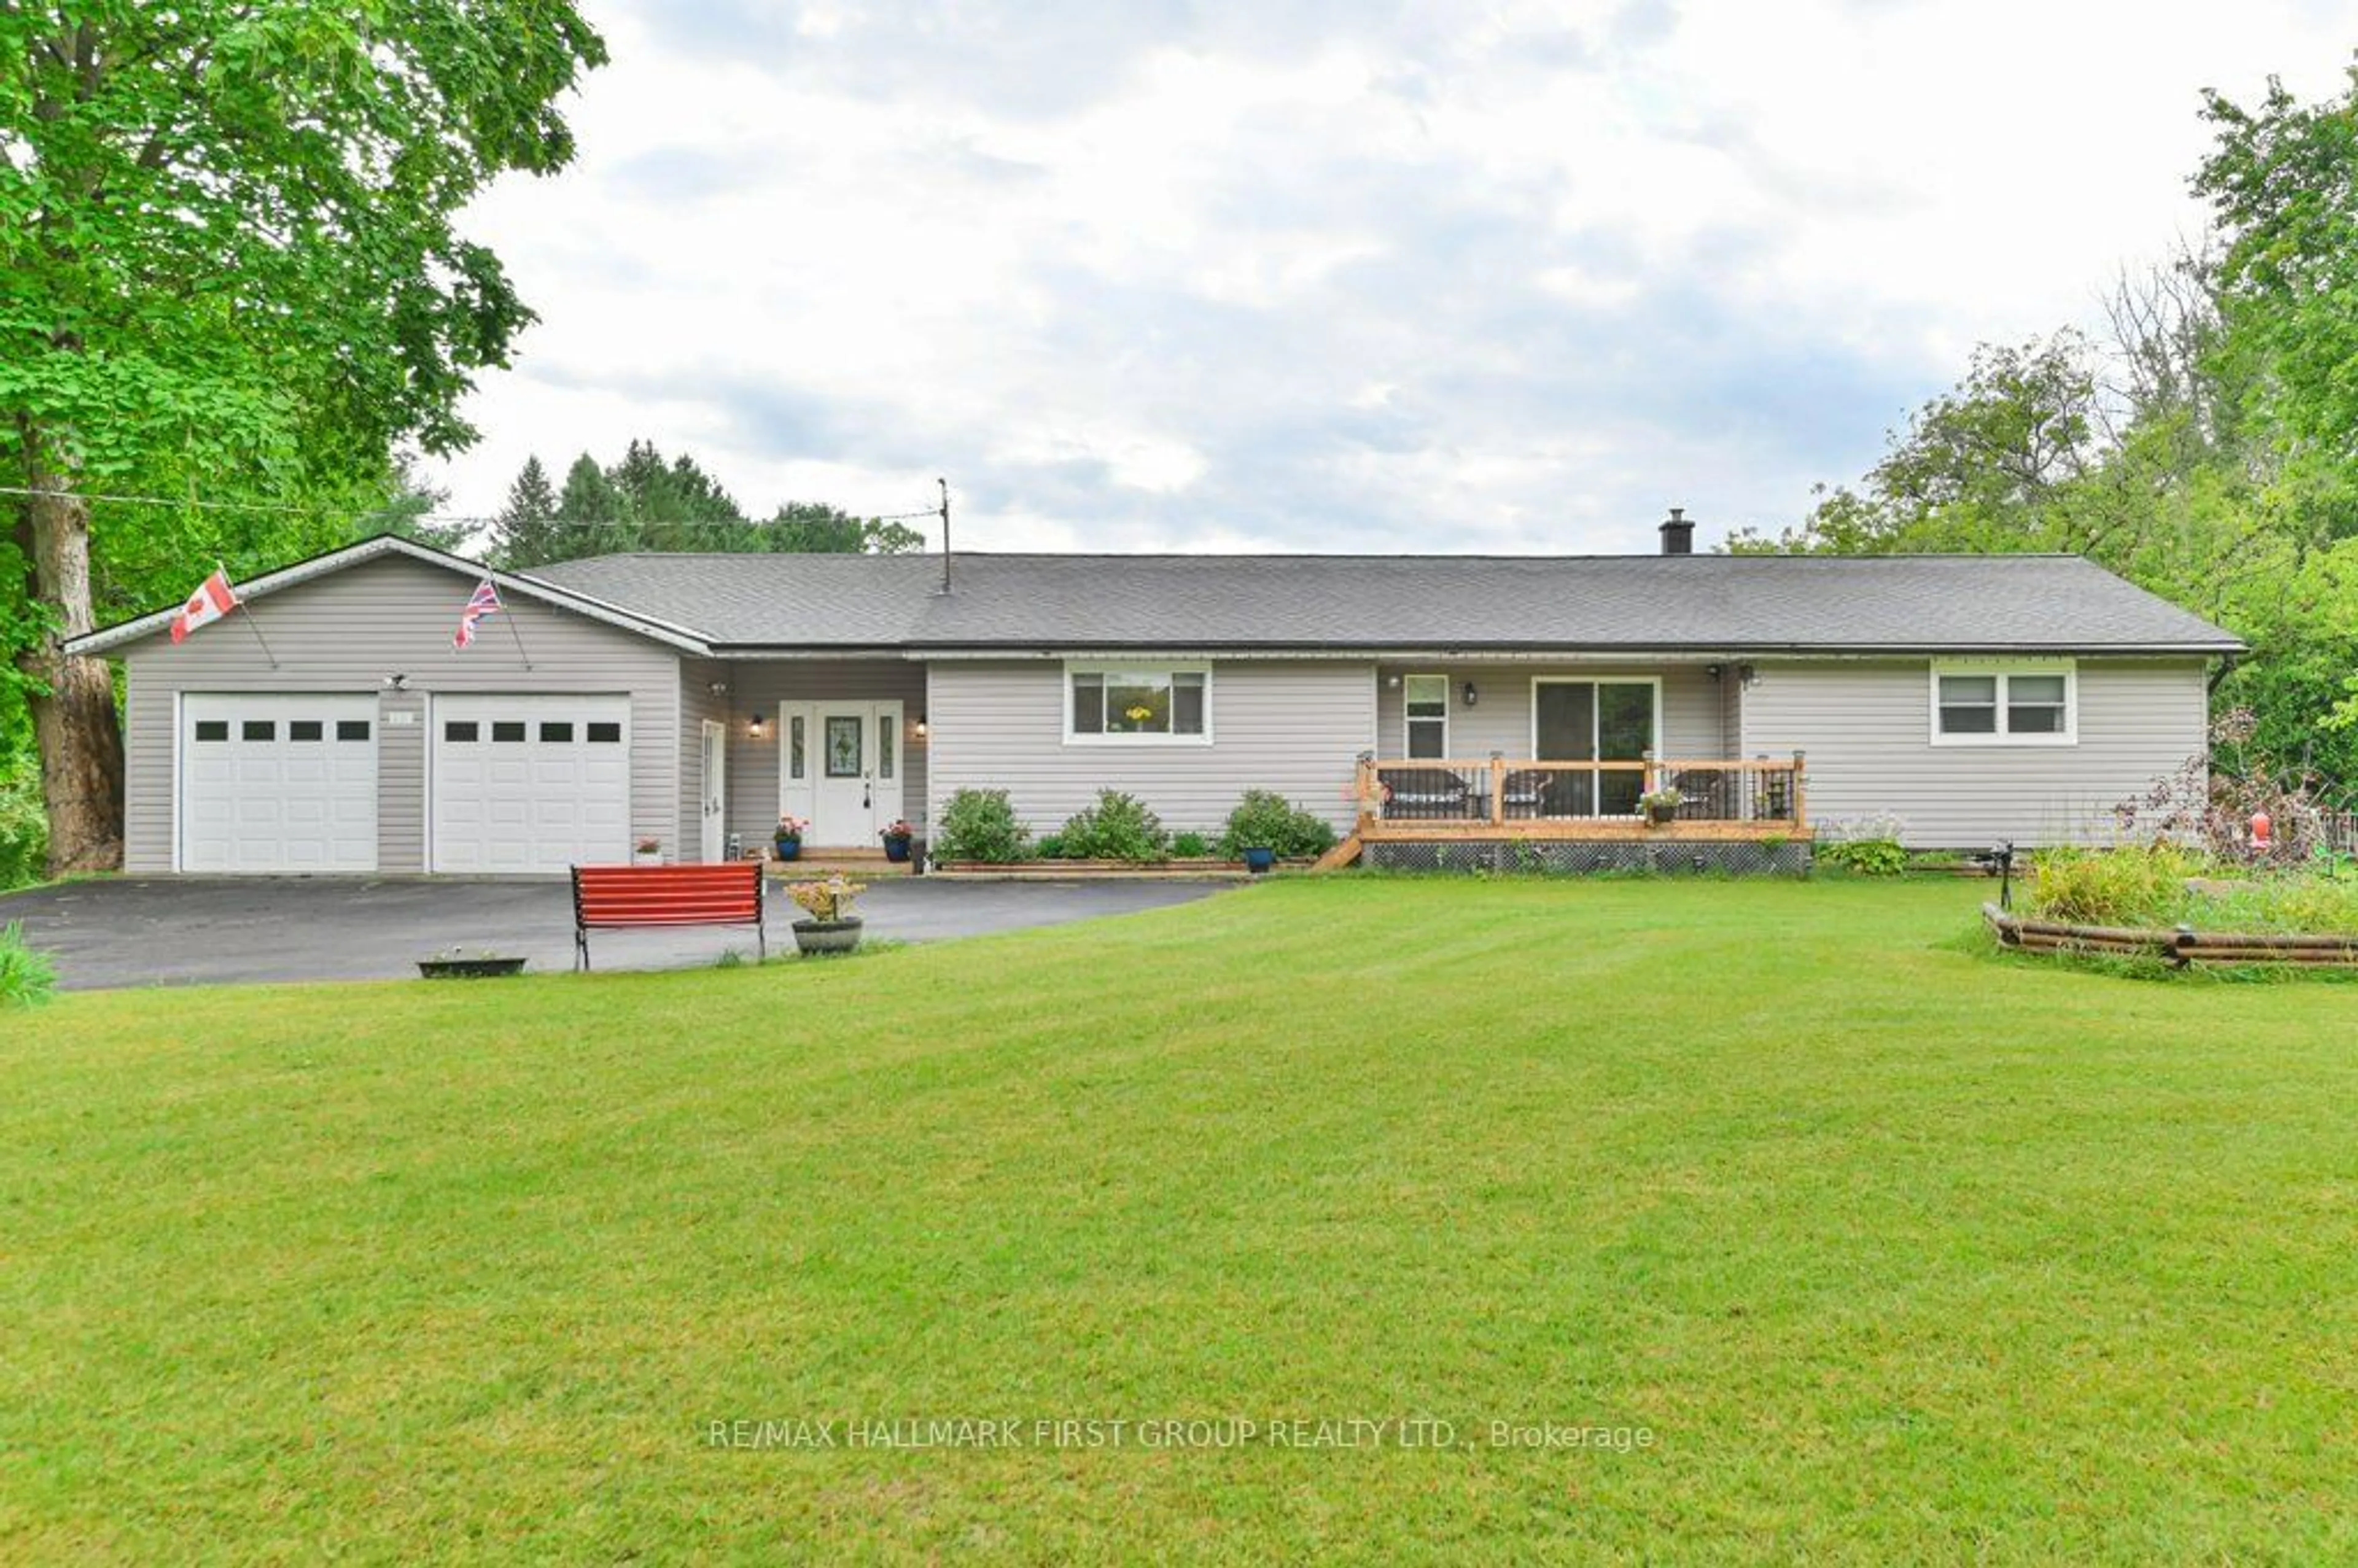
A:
(818, 936)
(470, 967)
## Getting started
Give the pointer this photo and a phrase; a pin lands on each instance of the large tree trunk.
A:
(72, 700)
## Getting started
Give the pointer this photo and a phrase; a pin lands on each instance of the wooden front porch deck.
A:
(1500, 799)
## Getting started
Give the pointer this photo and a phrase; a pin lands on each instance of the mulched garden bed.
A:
(1195, 867)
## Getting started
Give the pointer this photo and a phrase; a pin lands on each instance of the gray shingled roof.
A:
(1720, 604)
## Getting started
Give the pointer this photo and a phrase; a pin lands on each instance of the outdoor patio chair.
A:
(1525, 792)
(1424, 792)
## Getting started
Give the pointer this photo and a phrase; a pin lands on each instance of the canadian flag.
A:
(214, 599)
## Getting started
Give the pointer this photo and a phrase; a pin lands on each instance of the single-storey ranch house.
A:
(1421, 703)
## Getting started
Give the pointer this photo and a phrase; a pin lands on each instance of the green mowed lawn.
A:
(1861, 1247)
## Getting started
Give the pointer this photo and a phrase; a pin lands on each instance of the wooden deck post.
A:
(1801, 789)
(1498, 789)
(1363, 789)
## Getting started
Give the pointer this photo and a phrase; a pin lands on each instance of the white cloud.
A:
(1333, 275)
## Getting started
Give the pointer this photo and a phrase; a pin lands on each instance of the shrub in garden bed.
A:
(980, 825)
(1265, 819)
(1118, 828)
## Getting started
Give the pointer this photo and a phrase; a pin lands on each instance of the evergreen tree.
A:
(525, 533)
(589, 514)
(647, 501)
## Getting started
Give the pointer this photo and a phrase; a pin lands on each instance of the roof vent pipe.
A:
(1678, 534)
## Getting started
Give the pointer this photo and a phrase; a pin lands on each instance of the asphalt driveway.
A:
(194, 931)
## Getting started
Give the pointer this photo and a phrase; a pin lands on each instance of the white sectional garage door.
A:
(530, 783)
(277, 783)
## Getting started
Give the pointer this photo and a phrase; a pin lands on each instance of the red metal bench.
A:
(615, 898)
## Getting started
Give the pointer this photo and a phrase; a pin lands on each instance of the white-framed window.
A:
(1424, 715)
(2016, 702)
(1146, 704)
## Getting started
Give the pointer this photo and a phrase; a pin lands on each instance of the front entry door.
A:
(850, 756)
(716, 792)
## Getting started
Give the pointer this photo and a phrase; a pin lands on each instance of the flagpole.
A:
(517, 633)
(252, 624)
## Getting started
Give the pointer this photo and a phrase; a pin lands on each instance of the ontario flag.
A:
(486, 601)
(212, 601)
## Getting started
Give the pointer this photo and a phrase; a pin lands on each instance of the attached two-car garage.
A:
(285, 783)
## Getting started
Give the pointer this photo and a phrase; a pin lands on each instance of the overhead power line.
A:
(182, 502)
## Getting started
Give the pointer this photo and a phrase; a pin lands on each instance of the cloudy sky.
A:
(1334, 274)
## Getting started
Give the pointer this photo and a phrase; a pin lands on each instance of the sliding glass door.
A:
(1593, 721)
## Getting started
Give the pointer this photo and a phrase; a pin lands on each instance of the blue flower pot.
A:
(790, 848)
(1260, 860)
(896, 850)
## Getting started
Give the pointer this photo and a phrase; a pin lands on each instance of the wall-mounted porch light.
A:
(1472, 696)
(754, 726)
(921, 726)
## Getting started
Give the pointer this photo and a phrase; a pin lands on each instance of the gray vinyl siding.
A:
(347, 632)
(1866, 727)
(400, 778)
(758, 687)
(697, 703)
(1294, 727)
(1693, 720)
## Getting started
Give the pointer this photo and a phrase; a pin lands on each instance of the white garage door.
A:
(531, 784)
(277, 783)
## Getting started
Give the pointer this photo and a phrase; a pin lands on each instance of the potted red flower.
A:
(788, 840)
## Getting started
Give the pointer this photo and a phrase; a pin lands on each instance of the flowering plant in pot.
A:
(647, 852)
(897, 839)
(788, 840)
(828, 928)
(1661, 806)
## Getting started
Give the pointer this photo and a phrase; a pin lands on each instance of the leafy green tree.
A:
(1981, 467)
(809, 528)
(2282, 181)
(2151, 455)
(228, 230)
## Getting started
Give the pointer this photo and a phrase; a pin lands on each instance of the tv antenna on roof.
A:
(946, 533)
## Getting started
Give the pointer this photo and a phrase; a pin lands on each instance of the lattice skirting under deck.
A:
(1732, 858)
